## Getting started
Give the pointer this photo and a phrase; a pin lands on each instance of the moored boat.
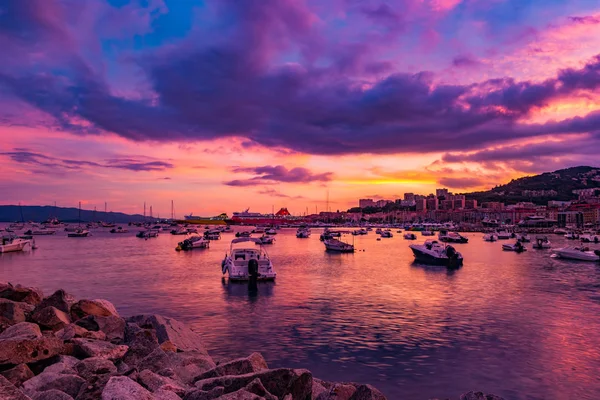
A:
(410, 236)
(503, 234)
(193, 242)
(451, 237)
(541, 242)
(490, 237)
(13, 244)
(179, 231)
(303, 233)
(517, 247)
(523, 238)
(387, 234)
(147, 234)
(40, 232)
(435, 253)
(264, 239)
(338, 246)
(239, 262)
(577, 253)
(79, 232)
(119, 229)
(571, 236)
(589, 237)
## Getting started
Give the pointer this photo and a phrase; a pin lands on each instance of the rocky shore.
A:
(61, 348)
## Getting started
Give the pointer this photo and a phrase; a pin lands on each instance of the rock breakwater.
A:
(61, 348)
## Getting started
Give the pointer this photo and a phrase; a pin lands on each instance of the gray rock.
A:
(92, 390)
(20, 293)
(154, 382)
(205, 395)
(141, 343)
(258, 388)
(70, 384)
(479, 396)
(165, 395)
(94, 366)
(367, 392)
(60, 300)
(339, 391)
(112, 326)
(318, 388)
(99, 348)
(60, 368)
(279, 382)
(182, 337)
(50, 318)
(24, 343)
(52, 394)
(71, 331)
(185, 365)
(12, 312)
(241, 395)
(18, 374)
(8, 391)
(123, 388)
(97, 307)
(253, 363)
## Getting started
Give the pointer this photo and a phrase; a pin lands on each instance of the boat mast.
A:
(79, 213)
(21, 211)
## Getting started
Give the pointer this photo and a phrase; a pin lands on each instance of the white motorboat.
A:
(212, 235)
(589, 237)
(386, 234)
(40, 232)
(303, 233)
(541, 242)
(378, 231)
(179, 231)
(516, 247)
(193, 242)
(336, 245)
(435, 253)
(147, 234)
(244, 234)
(191, 230)
(258, 229)
(13, 244)
(523, 238)
(451, 237)
(119, 229)
(264, 239)
(427, 233)
(236, 264)
(503, 234)
(328, 234)
(271, 231)
(17, 226)
(490, 237)
(571, 236)
(410, 236)
(79, 232)
(560, 231)
(577, 253)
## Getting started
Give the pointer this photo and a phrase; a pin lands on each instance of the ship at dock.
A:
(281, 217)
(194, 219)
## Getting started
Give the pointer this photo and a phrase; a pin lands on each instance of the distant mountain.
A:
(11, 213)
(562, 182)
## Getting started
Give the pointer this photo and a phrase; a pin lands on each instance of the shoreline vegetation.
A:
(61, 348)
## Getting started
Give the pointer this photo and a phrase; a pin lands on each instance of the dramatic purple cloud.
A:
(278, 174)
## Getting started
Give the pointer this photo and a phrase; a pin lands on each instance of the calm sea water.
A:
(523, 326)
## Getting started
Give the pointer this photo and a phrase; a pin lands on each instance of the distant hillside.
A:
(563, 182)
(41, 213)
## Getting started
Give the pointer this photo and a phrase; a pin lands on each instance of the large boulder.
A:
(94, 366)
(112, 326)
(367, 392)
(18, 374)
(52, 394)
(93, 388)
(186, 366)
(338, 391)
(141, 343)
(479, 396)
(24, 343)
(97, 307)
(29, 295)
(70, 384)
(98, 348)
(50, 318)
(60, 300)
(253, 363)
(72, 331)
(198, 394)
(279, 382)
(154, 382)
(182, 337)
(165, 395)
(12, 312)
(259, 389)
(8, 391)
(123, 388)
(242, 394)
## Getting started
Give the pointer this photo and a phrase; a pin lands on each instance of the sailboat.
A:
(79, 232)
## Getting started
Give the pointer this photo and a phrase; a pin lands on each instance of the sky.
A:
(228, 104)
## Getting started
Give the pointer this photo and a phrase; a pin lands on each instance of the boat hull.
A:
(13, 248)
(430, 259)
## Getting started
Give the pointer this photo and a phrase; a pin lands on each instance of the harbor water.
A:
(522, 326)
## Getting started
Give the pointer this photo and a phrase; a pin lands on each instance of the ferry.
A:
(281, 217)
(196, 220)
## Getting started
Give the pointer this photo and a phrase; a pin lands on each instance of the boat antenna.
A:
(21, 210)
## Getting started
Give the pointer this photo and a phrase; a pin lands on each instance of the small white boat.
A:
(523, 238)
(264, 239)
(490, 237)
(410, 236)
(386, 234)
(435, 253)
(40, 232)
(258, 230)
(560, 231)
(336, 245)
(303, 233)
(244, 234)
(516, 247)
(271, 231)
(378, 231)
(503, 235)
(191, 230)
(179, 231)
(451, 237)
(589, 237)
(147, 234)
(577, 253)
(193, 242)
(541, 242)
(79, 232)
(571, 236)
(13, 244)
(119, 229)
(236, 264)
(427, 233)
(212, 235)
